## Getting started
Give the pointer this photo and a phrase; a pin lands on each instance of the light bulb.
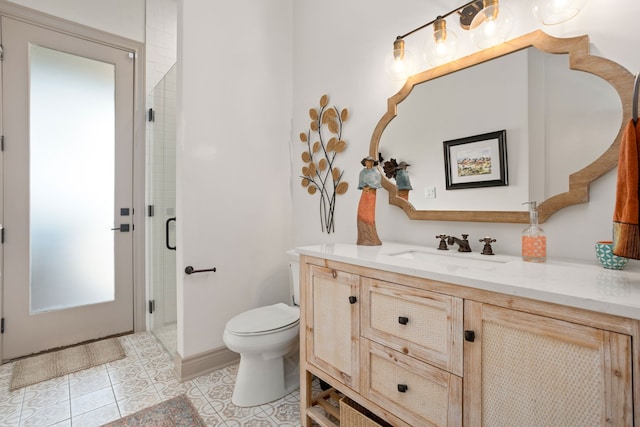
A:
(551, 12)
(492, 25)
(400, 63)
(440, 47)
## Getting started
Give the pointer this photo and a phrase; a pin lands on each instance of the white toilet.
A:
(267, 340)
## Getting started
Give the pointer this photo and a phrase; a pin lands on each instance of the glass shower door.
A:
(162, 194)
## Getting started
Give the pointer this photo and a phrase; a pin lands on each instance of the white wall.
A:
(233, 198)
(339, 49)
(122, 17)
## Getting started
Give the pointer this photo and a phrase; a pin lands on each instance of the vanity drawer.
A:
(416, 392)
(422, 324)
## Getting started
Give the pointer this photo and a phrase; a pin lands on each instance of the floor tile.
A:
(97, 417)
(45, 416)
(92, 401)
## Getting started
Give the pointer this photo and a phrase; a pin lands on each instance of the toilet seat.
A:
(264, 320)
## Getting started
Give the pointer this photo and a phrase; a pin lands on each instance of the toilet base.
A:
(261, 380)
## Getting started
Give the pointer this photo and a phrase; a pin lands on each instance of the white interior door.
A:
(67, 116)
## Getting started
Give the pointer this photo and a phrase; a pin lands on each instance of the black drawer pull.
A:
(470, 336)
(403, 320)
(402, 388)
(353, 300)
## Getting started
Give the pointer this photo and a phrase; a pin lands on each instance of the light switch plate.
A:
(430, 192)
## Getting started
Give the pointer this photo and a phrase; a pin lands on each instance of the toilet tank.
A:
(294, 275)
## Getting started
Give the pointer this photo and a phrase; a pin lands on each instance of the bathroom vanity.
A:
(422, 337)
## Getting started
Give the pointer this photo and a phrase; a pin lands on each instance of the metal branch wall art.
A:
(319, 175)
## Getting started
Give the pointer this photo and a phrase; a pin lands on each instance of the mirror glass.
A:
(557, 121)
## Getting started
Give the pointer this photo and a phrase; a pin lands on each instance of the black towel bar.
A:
(190, 270)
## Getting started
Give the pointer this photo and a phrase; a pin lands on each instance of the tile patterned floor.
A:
(145, 377)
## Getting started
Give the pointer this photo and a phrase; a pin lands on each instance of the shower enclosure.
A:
(161, 193)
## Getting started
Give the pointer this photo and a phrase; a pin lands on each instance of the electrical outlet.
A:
(430, 192)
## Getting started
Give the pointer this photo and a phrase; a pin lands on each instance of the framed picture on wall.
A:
(476, 161)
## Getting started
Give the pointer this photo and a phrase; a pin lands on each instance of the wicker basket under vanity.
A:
(353, 414)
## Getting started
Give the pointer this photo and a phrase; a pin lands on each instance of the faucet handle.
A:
(464, 236)
(443, 242)
(487, 250)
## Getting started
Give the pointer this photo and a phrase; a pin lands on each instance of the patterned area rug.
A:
(176, 412)
(35, 369)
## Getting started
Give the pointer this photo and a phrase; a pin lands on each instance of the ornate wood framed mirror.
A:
(561, 134)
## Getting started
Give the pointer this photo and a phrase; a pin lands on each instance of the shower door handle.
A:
(166, 234)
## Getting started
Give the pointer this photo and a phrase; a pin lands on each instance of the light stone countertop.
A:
(575, 284)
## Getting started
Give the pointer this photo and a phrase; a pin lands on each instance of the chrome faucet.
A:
(463, 244)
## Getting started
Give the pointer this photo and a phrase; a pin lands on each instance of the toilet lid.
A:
(264, 319)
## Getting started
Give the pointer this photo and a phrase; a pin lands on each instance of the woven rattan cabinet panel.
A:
(422, 324)
(333, 323)
(421, 394)
(529, 370)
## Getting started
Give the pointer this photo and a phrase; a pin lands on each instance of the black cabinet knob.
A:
(402, 388)
(353, 300)
(470, 336)
(403, 320)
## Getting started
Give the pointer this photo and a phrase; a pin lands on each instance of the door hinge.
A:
(1, 235)
(2, 326)
(1, 53)
(2, 143)
(151, 115)
(152, 306)
(150, 210)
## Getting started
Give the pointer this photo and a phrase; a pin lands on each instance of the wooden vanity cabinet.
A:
(418, 352)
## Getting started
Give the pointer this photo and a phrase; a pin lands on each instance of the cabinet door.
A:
(528, 370)
(333, 325)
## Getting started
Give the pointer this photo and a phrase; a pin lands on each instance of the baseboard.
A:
(203, 363)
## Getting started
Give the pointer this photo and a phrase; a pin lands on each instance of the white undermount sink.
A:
(451, 257)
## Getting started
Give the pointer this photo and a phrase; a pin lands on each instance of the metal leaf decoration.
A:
(320, 175)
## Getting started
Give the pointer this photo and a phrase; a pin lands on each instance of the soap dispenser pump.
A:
(534, 241)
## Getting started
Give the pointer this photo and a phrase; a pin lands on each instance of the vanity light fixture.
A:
(492, 25)
(488, 22)
(551, 12)
(400, 64)
(440, 48)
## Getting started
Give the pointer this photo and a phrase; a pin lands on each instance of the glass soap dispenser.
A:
(534, 241)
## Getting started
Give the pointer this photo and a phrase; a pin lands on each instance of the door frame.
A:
(44, 20)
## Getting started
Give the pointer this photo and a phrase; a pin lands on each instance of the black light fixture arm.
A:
(458, 9)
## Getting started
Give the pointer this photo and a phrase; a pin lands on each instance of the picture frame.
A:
(476, 161)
